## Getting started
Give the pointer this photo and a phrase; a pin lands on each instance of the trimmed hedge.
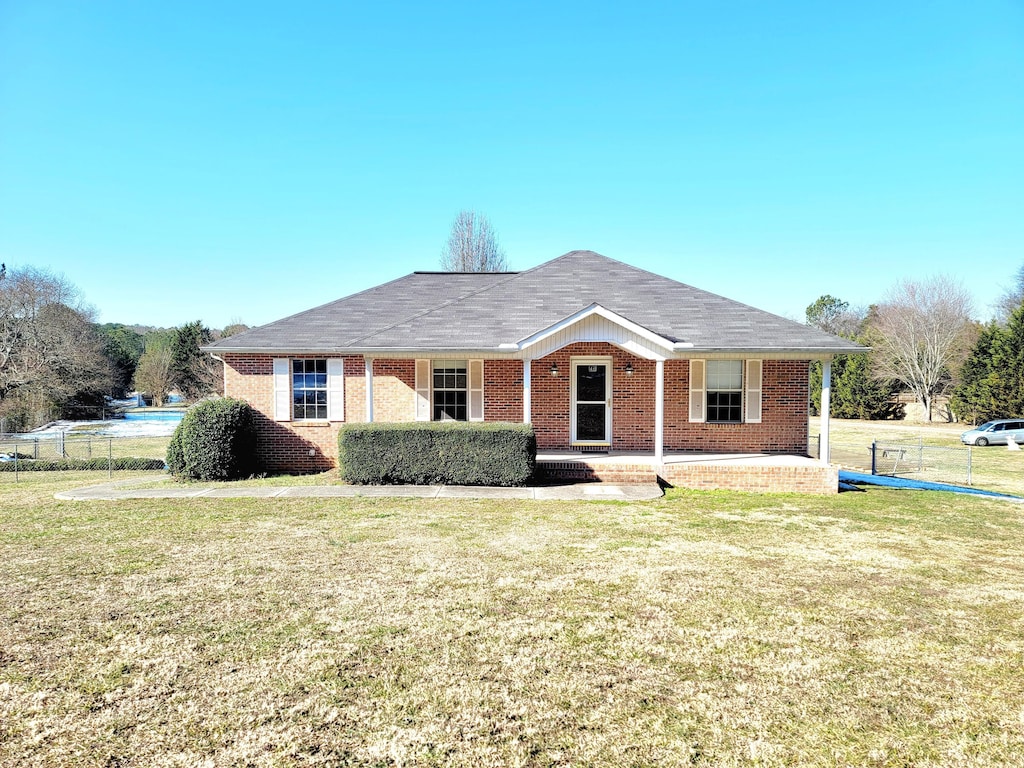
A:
(98, 463)
(437, 453)
(215, 441)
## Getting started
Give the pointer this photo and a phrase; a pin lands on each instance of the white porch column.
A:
(369, 388)
(527, 413)
(659, 411)
(825, 452)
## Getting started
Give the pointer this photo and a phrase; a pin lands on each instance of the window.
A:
(725, 390)
(450, 392)
(309, 389)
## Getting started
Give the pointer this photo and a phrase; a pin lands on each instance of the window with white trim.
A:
(450, 390)
(724, 386)
(309, 389)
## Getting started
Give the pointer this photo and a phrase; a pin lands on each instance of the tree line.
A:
(923, 341)
(56, 359)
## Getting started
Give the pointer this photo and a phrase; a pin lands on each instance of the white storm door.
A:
(591, 413)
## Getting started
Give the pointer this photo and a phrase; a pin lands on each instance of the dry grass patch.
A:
(711, 629)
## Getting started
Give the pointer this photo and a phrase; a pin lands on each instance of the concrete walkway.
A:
(134, 489)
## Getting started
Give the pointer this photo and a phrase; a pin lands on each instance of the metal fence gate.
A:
(913, 459)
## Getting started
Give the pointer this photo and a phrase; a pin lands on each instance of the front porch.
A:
(751, 472)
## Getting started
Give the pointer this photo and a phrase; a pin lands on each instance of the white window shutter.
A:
(422, 390)
(698, 403)
(282, 389)
(335, 389)
(752, 391)
(476, 390)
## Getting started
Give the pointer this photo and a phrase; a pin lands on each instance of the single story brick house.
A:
(595, 353)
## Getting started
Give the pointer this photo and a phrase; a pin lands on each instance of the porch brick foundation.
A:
(816, 479)
(820, 480)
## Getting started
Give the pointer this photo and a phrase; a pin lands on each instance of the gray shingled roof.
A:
(479, 311)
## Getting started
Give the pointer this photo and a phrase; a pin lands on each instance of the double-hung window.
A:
(725, 391)
(309, 389)
(450, 391)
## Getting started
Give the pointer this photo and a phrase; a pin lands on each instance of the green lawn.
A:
(880, 628)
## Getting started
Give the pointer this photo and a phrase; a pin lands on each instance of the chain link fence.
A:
(912, 459)
(63, 452)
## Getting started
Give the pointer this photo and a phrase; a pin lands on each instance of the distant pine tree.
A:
(973, 399)
(1007, 376)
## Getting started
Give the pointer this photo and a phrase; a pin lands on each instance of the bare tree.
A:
(919, 334)
(153, 375)
(1012, 297)
(50, 352)
(473, 246)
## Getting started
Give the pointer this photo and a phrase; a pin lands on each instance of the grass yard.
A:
(870, 629)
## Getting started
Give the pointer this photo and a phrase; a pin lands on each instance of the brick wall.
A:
(632, 397)
(819, 479)
(503, 390)
(783, 427)
(394, 391)
(286, 446)
(816, 478)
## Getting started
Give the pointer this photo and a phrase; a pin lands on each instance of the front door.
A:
(591, 401)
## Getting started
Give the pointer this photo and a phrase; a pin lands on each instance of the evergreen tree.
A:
(856, 394)
(191, 370)
(1007, 376)
(974, 399)
(123, 346)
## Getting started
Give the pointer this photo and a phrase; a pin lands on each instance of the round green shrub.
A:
(215, 441)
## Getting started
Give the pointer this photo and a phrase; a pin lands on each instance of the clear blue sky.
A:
(219, 161)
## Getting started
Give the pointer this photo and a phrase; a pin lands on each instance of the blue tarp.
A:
(921, 485)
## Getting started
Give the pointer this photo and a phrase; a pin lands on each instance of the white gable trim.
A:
(599, 311)
(597, 324)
